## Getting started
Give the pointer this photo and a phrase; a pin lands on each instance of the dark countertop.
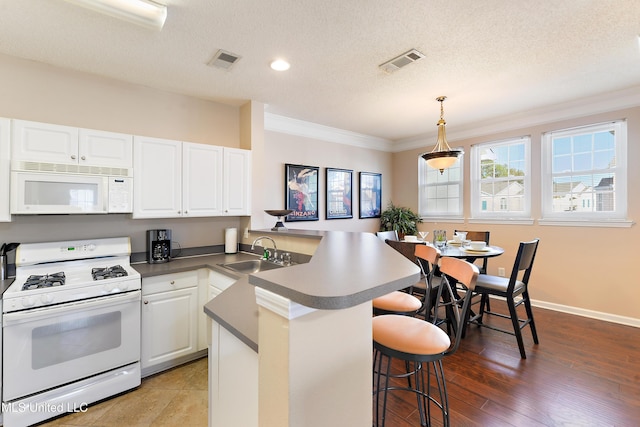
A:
(346, 269)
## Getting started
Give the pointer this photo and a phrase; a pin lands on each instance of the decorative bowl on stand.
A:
(279, 213)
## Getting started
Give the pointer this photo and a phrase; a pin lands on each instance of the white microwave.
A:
(66, 193)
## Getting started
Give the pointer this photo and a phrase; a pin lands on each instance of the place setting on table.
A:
(458, 247)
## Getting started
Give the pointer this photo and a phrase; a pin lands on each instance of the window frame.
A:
(618, 217)
(477, 213)
(424, 172)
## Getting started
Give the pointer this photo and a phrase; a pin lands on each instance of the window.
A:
(584, 173)
(440, 195)
(500, 179)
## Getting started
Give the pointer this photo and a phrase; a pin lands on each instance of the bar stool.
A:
(420, 344)
(397, 302)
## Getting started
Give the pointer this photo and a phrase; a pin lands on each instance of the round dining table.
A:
(457, 251)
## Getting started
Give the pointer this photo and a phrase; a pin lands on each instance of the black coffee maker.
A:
(158, 246)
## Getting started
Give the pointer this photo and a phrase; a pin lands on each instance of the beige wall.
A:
(39, 92)
(583, 268)
(283, 148)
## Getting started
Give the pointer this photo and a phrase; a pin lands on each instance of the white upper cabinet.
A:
(157, 178)
(237, 182)
(48, 143)
(202, 175)
(100, 148)
(184, 179)
(5, 125)
(44, 142)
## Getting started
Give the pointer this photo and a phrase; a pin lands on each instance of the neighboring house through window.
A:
(500, 179)
(584, 173)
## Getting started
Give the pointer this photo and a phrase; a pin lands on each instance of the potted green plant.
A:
(401, 219)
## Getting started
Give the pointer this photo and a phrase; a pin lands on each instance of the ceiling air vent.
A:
(223, 59)
(401, 61)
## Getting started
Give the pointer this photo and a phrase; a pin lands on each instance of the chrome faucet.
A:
(275, 249)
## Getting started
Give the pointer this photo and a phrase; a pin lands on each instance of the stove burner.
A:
(108, 272)
(44, 281)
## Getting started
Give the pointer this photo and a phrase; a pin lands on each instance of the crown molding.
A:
(598, 104)
(282, 124)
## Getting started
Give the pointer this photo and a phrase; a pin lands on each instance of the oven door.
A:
(50, 346)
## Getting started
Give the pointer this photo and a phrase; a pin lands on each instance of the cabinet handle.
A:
(146, 302)
(83, 158)
(73, 156)
(173, 282)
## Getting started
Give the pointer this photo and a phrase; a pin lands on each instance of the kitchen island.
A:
(304, 357)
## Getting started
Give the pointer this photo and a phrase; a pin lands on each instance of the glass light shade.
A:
(442, 156)
(442, 163)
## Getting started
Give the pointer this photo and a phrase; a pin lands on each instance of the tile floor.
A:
(177, 397)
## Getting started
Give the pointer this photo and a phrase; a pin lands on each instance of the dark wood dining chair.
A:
(508, 289)
(428, 258)
(387, 235)
(478, 236)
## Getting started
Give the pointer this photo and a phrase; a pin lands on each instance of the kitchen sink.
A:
(251, 266)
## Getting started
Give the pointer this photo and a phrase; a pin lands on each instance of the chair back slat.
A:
(479, 236)
(406, 249)
(523, 263)
(387, 235)
(465, 274)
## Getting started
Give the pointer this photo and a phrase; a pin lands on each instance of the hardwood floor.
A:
(584, 372)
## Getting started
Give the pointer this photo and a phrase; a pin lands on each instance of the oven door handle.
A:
(9, 319)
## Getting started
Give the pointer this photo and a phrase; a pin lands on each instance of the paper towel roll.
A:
(230, 240)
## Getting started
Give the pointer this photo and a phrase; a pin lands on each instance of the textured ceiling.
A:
(490, 57)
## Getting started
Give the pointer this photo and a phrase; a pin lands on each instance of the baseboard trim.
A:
(599, 315)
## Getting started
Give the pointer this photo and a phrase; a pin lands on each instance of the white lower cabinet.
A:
(212, 284)
(170, 306)
(233, 380)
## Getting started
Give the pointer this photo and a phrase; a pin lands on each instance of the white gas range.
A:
(71, 328)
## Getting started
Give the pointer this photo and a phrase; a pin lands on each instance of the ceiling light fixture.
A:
(442, 156)
(141, 12)
(280, 65)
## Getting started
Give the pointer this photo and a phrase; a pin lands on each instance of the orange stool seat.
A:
(409, 335)
(396, 302)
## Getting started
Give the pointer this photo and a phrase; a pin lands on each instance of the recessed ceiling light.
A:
(280, 65)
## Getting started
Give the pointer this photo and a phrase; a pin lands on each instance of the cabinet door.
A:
(99, 148)
(169, 325)
(157, 184)
(5, 167)
(43, 142)
(237, 182)
(202, 175)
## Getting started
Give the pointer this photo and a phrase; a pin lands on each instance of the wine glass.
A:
(423, 235)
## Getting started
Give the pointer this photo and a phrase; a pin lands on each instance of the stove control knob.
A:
(108, 288)
(124, 286)
(46, 298)
(28, 302)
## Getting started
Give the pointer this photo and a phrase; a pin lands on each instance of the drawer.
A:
(169, 282)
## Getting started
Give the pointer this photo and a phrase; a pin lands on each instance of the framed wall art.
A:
(301, 192)
(338, 188)
(370, 195)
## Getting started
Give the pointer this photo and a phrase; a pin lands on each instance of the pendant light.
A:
(442, 156)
